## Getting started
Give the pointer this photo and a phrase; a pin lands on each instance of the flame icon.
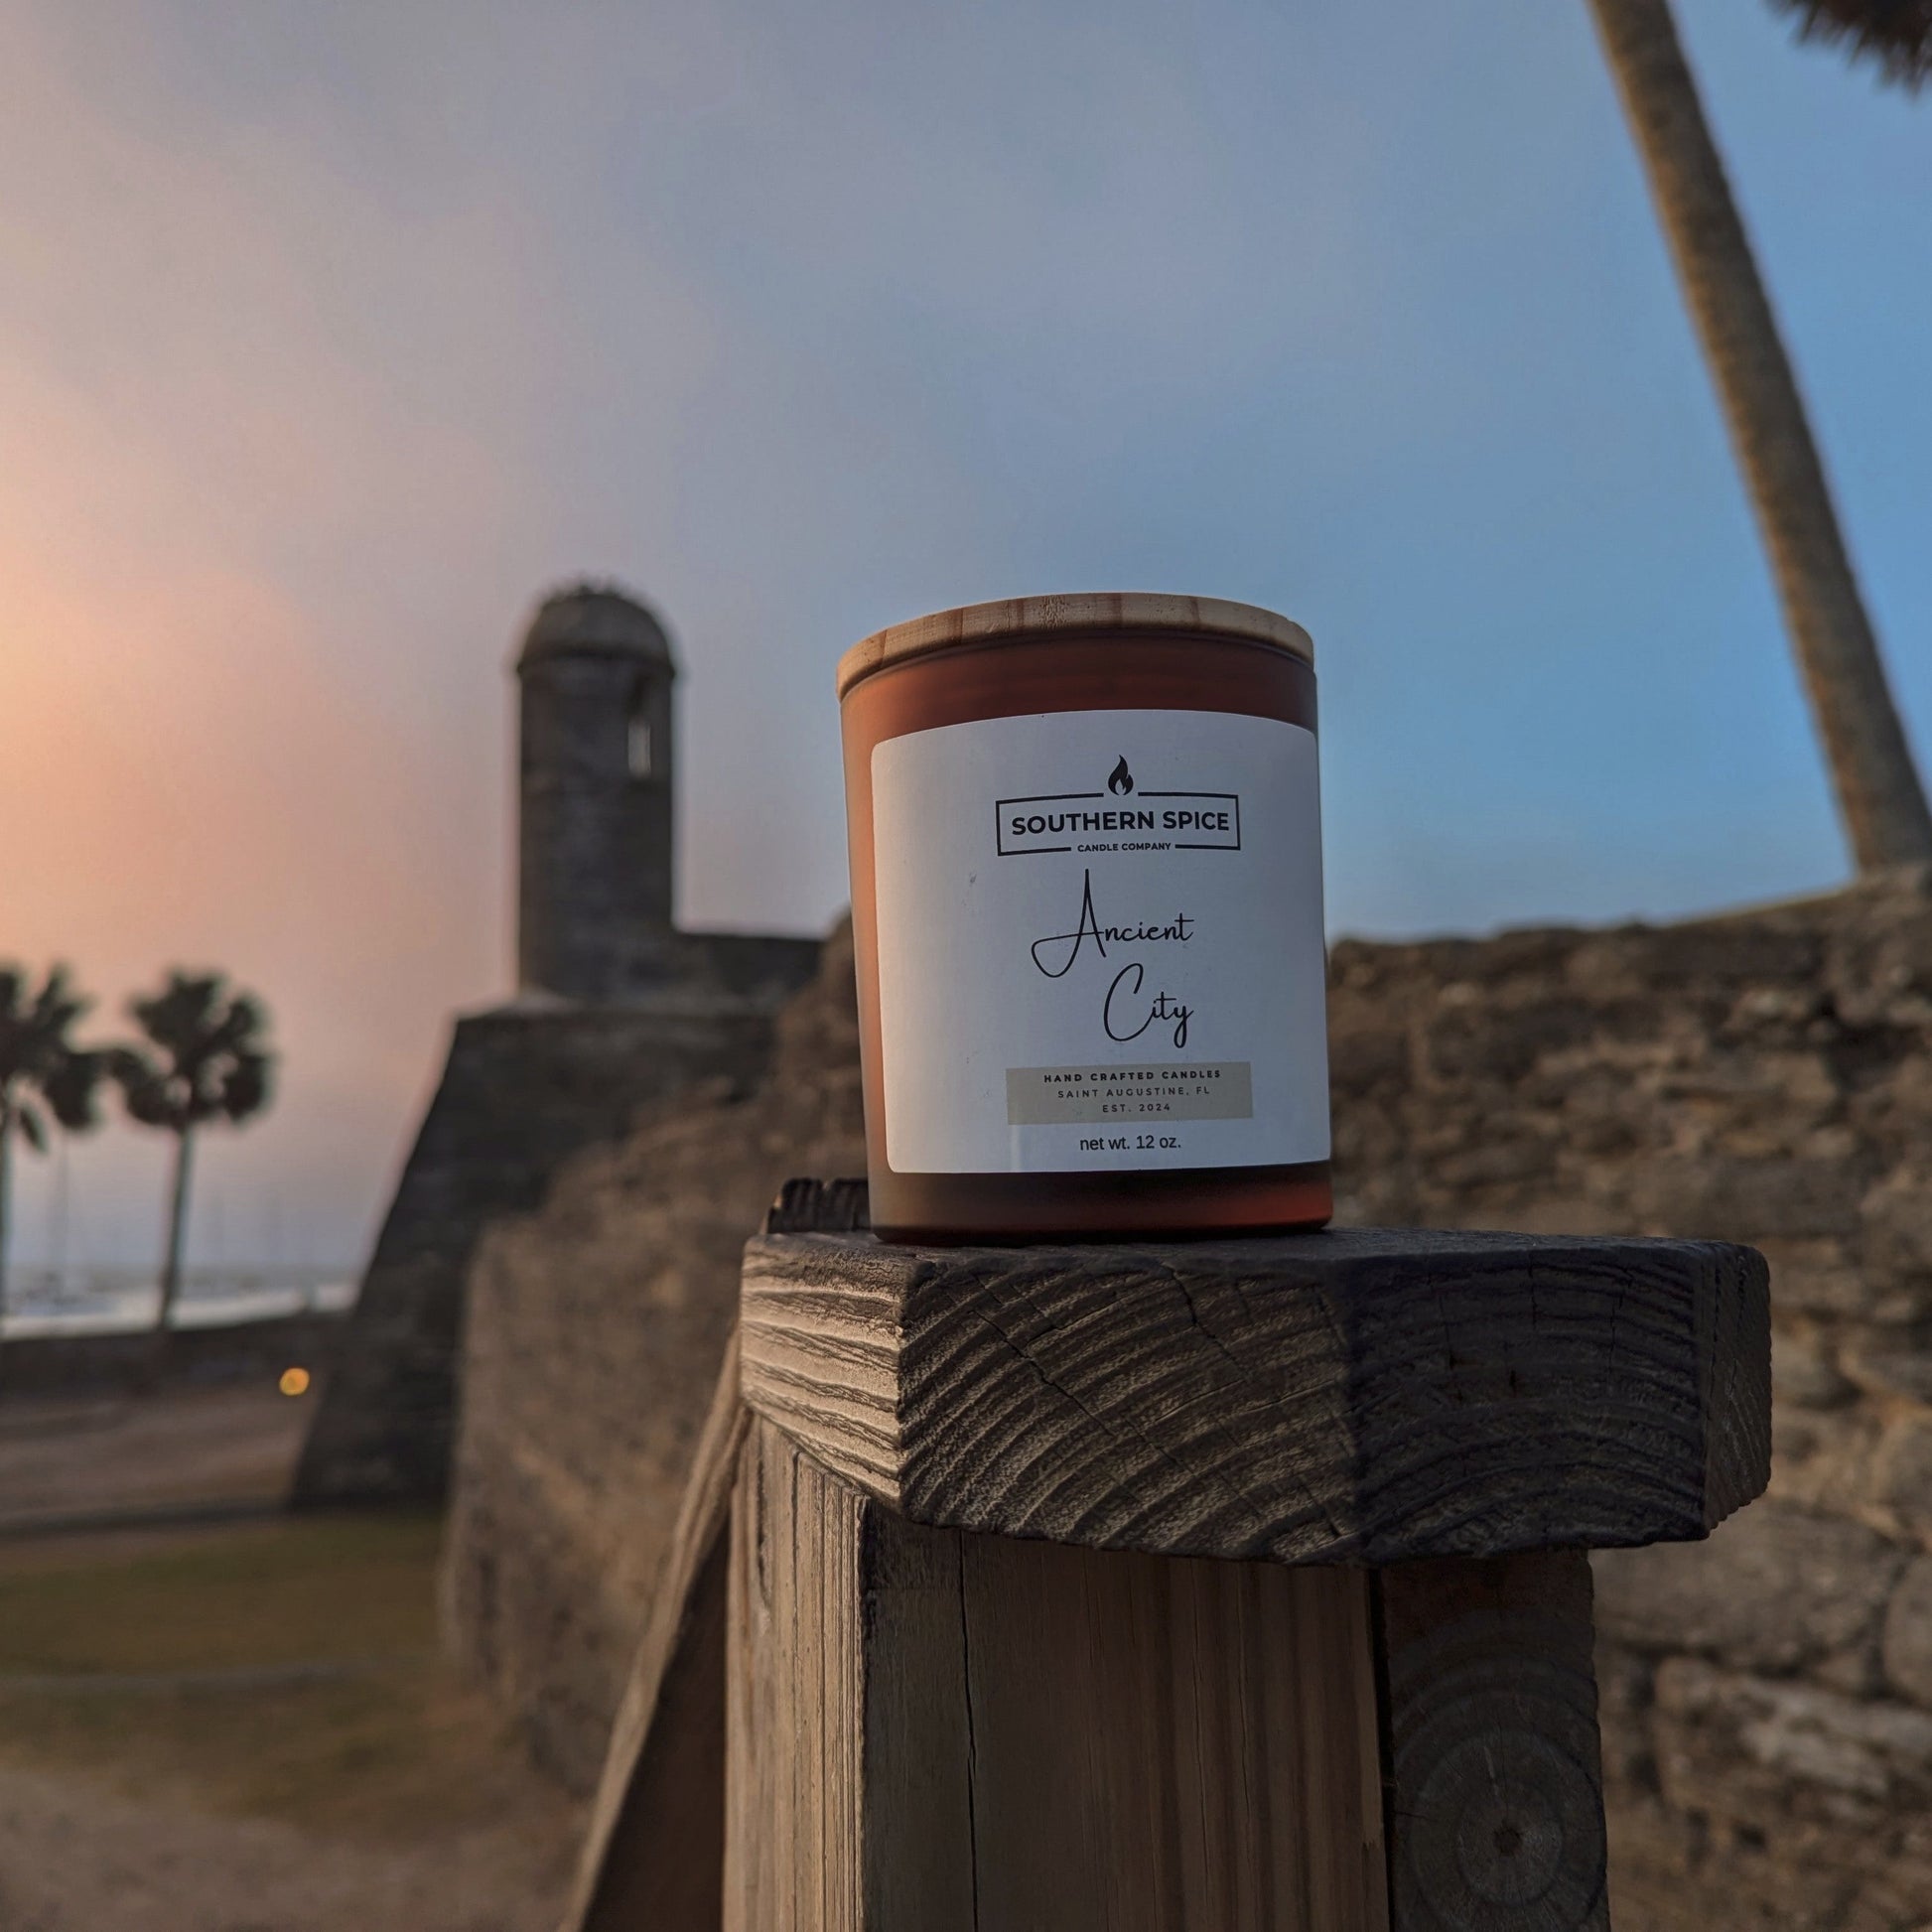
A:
(1120, 780)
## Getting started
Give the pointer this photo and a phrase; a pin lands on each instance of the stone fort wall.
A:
(1763, 1077)
(527, 1086)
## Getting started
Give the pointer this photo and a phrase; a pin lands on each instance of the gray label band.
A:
(1038, 1096)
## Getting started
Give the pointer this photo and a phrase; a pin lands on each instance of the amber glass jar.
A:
(1086, 899)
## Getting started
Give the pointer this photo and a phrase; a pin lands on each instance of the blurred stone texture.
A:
(595, 1329)
(1762, 1077)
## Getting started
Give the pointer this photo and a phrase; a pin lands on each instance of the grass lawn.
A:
(115, 1655)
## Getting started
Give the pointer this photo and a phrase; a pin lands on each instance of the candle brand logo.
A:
(1121, 817)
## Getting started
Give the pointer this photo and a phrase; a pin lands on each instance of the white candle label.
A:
(1100, 943)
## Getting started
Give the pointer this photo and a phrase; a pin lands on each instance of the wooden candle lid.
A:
(1023, 619)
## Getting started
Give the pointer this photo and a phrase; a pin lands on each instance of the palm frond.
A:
(71, 1088)
(179, 1017)
(1897, 33)
(248, 1021)
(34, 1025)
(58, 1006)
(33, 1126)
(210, 1057)
(146, 1091)
(246, 1091)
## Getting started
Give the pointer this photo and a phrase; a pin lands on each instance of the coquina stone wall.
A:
(1764, 1076)
(594, 1336)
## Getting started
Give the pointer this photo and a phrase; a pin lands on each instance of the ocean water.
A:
(109, 1300)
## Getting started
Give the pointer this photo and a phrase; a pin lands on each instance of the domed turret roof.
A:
(599, 620)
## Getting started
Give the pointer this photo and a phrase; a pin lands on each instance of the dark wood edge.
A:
(804, 1207)
(616, 1843)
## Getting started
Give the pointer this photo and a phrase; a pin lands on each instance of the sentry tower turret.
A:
(594, 897)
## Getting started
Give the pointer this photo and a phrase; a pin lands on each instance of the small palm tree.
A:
(205, 1059)
(44, 1077)
(1879, 796)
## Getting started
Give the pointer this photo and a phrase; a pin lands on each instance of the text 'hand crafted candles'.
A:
(1086, 885)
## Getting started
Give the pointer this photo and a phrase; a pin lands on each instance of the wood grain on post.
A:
(1369, 1396)
(972, 1733)
(973, 1670)
(1495, 1779)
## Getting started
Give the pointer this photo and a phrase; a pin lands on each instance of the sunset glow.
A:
(330, 341)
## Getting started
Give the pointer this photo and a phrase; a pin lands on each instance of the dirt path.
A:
(246, 1726)
(75, 1861)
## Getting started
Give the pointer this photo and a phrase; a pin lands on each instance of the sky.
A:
(331, 338)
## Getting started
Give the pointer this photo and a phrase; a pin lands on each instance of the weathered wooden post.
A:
(1053, 1707)
(1216, 1587)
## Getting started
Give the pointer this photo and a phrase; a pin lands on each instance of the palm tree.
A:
(1879, 796)
(43, 1075)
(209, 1061)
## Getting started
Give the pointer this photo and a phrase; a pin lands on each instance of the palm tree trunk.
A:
(177, 1235)
(1879, 796)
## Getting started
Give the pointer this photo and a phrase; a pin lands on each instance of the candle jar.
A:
(1086, 902)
